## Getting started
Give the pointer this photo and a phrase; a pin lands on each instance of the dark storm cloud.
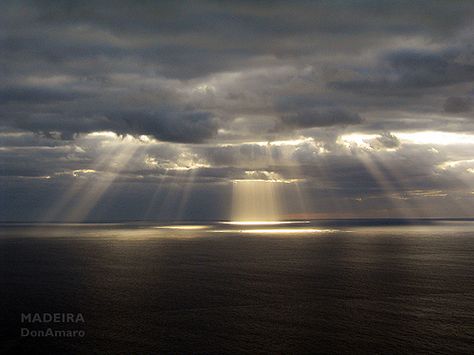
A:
(93, 44)
(67, 113)
(185, 127)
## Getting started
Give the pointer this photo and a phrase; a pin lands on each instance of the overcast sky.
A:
(127, 110)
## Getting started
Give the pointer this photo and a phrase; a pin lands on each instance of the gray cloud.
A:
(275, 57)
(410, 70)
(456, 104)
(386, 140)
(36, 95)
(187, 127)
(312, 118)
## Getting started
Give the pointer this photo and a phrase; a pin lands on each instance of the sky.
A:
(198, 110)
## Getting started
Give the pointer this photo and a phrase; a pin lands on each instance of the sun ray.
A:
(401, 190)
(90, 197)
(156, 194)
(390, 192)
(185, 192)
(255, 200)
(57, 211)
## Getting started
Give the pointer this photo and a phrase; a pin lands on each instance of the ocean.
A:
(341, 286)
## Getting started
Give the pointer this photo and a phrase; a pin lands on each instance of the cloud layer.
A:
(323, 93)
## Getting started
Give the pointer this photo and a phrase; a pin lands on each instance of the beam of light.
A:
(92, 195)
(334, 203)
(407, 202)
(296, 191)
(175, 199)
(401, 205)
(300, 198)
(255, 200)
(414, 200)
(258, 196)
(156, 194)
(185, 192)
(405, 193)
(79, 185)
(90, 184)
(169, 202)
(179, 180)
(462, 170)
(294, 183)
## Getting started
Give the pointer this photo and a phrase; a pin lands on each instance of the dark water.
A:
(319, 287)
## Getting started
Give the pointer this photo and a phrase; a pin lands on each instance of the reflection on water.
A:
(386, 287)
(144, 230)
(277, 231)
(184, 227)
(262, 223)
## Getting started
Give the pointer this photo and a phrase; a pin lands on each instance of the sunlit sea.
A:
(374, 286)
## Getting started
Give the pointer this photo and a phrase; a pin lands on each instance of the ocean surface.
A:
(383, 286)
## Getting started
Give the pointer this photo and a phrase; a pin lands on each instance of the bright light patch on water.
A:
(262, 223)
(287, 231)
(184, 227)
